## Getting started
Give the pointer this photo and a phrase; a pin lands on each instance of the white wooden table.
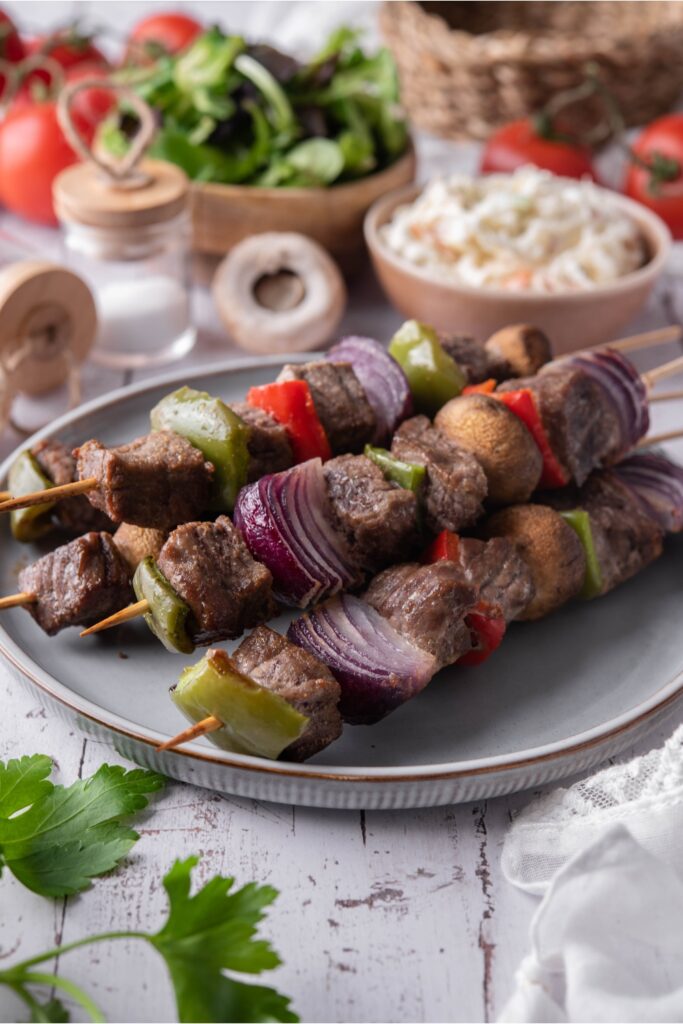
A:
(382, 916)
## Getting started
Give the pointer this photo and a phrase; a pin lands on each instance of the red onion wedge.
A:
(377, 669)
(658, 484)
(623, 385)
(283, 520)
(383, 380)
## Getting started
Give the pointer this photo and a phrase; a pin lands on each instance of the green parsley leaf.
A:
(22, 782)
(51, 1012)
(214, 931)
(71, 834)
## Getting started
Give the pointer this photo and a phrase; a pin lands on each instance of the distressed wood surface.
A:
(382, 916)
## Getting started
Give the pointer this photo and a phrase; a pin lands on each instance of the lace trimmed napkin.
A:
(607, 939)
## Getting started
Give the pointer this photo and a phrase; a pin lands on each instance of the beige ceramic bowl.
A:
(223, 215)
(572, 321)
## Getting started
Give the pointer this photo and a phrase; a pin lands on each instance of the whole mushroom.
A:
(279, 292)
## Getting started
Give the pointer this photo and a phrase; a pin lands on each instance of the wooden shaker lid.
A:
(48, 323)
(84, 194)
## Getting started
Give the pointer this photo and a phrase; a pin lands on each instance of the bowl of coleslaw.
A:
(472, 254)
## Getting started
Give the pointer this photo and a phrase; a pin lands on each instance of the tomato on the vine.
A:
(68, 47)
(659, 185)
(168, 32)
(33, 150)
(520, 142)
(12, 48)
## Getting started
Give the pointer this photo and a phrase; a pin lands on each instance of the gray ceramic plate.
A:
(559, 696)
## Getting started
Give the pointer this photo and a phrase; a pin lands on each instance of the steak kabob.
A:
(356, 395)
(202, 448)
(355, 659)
(322, 529)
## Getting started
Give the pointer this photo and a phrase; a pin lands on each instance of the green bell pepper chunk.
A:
(256, 721)
(167, 617)
(26, 476)
(216, 430)
(409, 475)
(580, 522)
(434, 377)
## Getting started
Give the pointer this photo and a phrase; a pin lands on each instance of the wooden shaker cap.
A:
(84, 194)
(48, 323)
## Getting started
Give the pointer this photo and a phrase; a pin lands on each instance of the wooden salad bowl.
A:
(223, 215)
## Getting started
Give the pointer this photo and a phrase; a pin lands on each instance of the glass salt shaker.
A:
(126, 230)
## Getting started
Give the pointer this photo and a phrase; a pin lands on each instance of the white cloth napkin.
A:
(607, 939)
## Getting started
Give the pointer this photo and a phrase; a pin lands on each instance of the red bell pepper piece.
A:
(523, 405)
(487, 627)
(487, 387)
(290, 402)
(446, 546)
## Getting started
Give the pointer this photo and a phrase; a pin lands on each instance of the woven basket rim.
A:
(501, 46)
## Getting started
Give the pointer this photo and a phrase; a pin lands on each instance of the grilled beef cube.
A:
(377, 517)
(77, 584)
(578, 416)
(427, 605)
(158, 480)
(209, 566)
(268, 443)
(470, 356)
(138, 542)
(340, 401)
(455, 485)
(499, 573)
(74, 514)
(299, 678)
(626, 539)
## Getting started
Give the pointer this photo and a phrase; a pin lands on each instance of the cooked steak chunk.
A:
(626, 539)
(377, 517)
(158, 480)
(499, 573)
(138, 542)
(427, 605)
(74, 514)
(470, 356)
(268, 443)
(77, 584)
(209, 566)
(340, 401)
(299, 678)
(578, 416)
(455, 485)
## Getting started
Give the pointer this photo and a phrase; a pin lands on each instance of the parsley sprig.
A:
(55, 839)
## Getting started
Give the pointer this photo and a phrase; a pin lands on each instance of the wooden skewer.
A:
(17, 600)
(50, 495)
(661, 372)
(669, 435)
(667, 396)
(125, 615)
(5, 495)
(648, 339)
(207, 725)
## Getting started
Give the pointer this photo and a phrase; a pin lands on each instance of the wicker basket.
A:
(467, 68)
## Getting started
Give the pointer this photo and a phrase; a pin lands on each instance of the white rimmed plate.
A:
(558, 697)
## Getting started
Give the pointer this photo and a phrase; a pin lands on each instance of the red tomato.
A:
(68, 48)
(33, 151)
(11, 47)
(518, 143)
(90, 106)
(169, 31)
(662, 138)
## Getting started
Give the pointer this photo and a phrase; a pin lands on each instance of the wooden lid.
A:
(85, 194)
(48, 323)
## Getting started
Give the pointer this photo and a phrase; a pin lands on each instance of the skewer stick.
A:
(50, 495)
(207, 725)
(659, 372)
(5, 495)
(648, 339)
(125, 615)
(667, 396)
(669, 435)
(17, 600)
